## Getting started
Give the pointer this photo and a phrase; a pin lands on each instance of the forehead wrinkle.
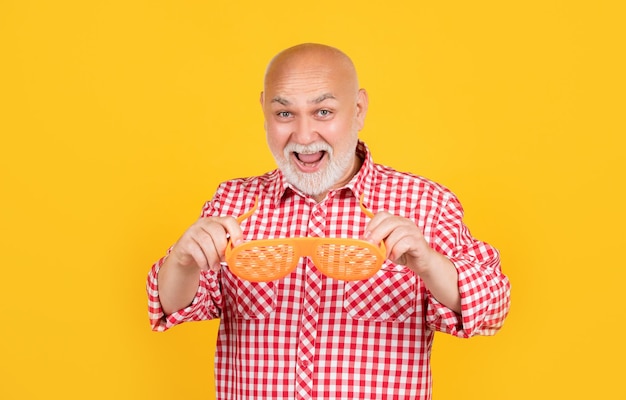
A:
(312, 84)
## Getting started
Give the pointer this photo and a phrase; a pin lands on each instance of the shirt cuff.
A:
(205, 304)
(476, 297)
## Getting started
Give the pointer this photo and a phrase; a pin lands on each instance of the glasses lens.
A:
(347, 262)
(263, 263)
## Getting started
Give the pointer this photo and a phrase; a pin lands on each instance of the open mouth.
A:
(309, 159)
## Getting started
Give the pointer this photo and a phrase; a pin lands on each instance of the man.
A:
(306, 335)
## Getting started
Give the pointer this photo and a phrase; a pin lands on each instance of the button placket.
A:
(310, 316)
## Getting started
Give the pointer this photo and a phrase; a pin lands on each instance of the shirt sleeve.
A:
(206, 304)
(484, 289)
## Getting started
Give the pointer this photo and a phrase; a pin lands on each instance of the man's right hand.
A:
(203, 245)
(201, 248)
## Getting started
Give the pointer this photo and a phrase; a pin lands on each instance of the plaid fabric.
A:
(308, 336)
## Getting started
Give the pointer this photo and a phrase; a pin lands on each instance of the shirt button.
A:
(304, 363)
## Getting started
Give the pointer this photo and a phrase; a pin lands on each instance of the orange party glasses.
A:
(267, 260)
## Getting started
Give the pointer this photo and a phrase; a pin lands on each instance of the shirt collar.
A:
(360, 184)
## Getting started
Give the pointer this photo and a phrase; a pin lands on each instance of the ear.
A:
(362, 103)
(262, 101)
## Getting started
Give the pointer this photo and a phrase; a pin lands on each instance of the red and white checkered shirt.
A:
(308, 336)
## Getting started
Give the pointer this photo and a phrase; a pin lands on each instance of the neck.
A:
(356, 166)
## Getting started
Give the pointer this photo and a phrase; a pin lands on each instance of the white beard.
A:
(314, 183)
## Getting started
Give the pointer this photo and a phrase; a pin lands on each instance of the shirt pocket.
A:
(255, 300)
(390, 295)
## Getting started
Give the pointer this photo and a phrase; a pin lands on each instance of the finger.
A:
(218, 231)
(407, 245)
(382, 226)
(213, 240)
(189, 253)
(200, 256)
(373, 231)
(231, 226)
(398, 244)
(212, 255)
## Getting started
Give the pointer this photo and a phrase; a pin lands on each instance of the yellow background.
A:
(119, 118)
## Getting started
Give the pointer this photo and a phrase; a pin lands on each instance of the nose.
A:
(304, 131)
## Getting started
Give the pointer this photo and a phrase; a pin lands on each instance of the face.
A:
(313, 114)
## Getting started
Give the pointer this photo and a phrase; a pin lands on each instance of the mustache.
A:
(307, 148)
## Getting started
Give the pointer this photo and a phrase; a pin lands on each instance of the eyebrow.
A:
(281, 100)
(322, 98)
(317, 100)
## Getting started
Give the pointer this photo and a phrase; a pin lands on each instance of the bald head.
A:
(312, 58)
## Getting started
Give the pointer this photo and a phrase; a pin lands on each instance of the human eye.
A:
(283, 114)
(324, 113)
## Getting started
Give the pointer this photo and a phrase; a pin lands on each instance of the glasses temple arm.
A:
(371, 215)
(248, 213)
(240, 219)
(364, 209)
